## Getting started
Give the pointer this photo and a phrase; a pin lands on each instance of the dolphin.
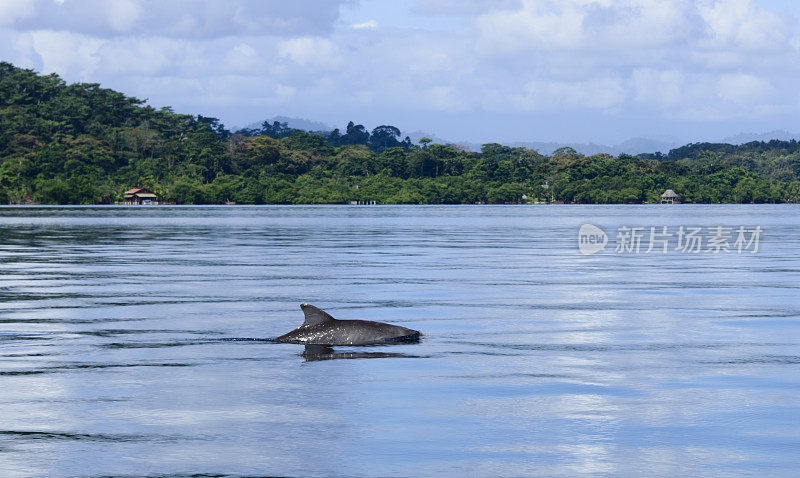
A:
(320, 328)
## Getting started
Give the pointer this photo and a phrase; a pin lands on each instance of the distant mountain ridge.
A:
(630, 146)
(296, 123)
(633, 146)
(743, 138)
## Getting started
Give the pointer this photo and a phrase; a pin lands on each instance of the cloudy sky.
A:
(466, 70)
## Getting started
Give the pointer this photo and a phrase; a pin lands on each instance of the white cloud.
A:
(445, 98)
(743, 89)
(310, 51)
(741, 24)
(174, 18)
(12, 11)
(664, 88)
(285, 92)
(123, 14)
(67, 53)
(244, 58)
(461, 7)
(593, 93)
(640, 24)
(24, 50)
(592, 25)
(539, 25)
(710, 53)
(149, 56)
(633, 29)
(245, 50)
(368, 25)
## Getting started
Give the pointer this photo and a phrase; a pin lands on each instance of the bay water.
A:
(135, 341)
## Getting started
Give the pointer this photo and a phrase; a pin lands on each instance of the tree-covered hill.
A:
(83, 144)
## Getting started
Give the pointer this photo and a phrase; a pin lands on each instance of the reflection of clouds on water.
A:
(33, 403)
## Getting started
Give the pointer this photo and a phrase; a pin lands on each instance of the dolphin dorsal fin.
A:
(314, 315)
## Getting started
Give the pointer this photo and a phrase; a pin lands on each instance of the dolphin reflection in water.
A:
(319, 332)
(315, 353)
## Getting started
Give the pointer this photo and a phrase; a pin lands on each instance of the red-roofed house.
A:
(140, 196)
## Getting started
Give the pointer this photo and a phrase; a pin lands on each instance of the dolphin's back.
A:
(325, 330)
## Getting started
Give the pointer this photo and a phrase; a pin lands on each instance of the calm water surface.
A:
(132, 342)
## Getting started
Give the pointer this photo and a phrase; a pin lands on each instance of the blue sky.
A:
(466, 70)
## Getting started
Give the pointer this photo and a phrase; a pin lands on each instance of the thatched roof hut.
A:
(670, 197)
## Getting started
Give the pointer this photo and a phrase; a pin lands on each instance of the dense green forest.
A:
(82, 144)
